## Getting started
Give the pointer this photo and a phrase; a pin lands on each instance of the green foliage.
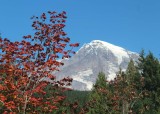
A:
(99, 97)
(135, 91)
(74, 97)
(80, 96)
(100, 82)
(73, 103)
(131, 71)
(150, 70)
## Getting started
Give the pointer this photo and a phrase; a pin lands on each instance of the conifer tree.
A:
(125, 94)
(131, 74)
(131, 71)
(149, 67)
(99, 97)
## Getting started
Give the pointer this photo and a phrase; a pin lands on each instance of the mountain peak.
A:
(98, 41)
(102, 44)
(94, 45)
(105, 44)
(92, 58)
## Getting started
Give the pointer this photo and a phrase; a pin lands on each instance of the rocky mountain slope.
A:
(93, 58)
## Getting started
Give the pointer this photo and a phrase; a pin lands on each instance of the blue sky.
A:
(132, 24)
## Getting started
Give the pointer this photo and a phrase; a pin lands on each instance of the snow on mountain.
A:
(80, 77)
(117, 51)
(93, 58)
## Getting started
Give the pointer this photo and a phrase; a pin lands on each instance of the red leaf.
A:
(74, 45)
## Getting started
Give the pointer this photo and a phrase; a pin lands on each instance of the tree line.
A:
(135, 91)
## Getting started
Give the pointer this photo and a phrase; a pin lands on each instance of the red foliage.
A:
(27, 66)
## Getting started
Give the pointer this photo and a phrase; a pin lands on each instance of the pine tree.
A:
(149, 67)
(137, 81)
(131, 72)
(124, 89)
(131, 76)
(99, 97)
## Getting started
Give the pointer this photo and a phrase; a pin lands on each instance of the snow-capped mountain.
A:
(93, 58)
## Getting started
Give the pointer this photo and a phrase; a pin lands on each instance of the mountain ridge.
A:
(92, 58)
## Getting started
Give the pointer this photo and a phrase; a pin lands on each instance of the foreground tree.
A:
(27, 67)
(149, 67)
